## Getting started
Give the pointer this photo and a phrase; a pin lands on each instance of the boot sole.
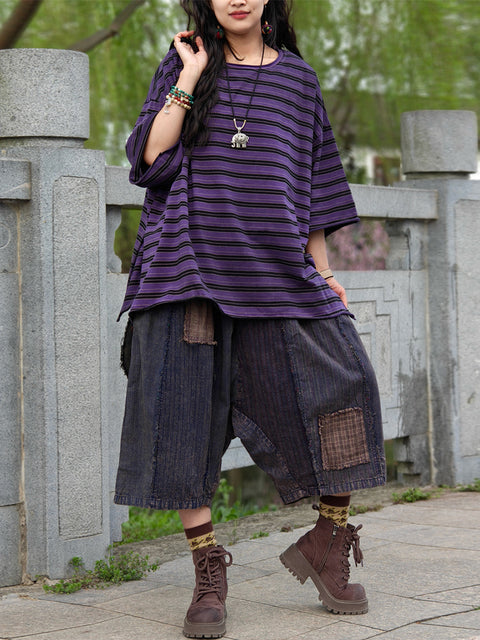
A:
(204, 629)
(298, 565)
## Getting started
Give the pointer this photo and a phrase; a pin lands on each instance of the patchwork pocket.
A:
(343, 439)
(198, 325)
(265, 455)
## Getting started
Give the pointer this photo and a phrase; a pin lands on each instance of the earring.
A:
(267, 29)
(220, 33)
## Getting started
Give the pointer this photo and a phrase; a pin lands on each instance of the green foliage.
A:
(378, 59)
(355, 510)
(362, 508)
(474, 486)
(259, 534)
(148, 524)
(411, 495)
(112, 570)
(125, 237)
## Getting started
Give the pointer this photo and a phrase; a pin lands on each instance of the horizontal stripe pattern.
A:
(231, 225)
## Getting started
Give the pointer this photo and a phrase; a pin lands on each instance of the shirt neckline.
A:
(255, 66)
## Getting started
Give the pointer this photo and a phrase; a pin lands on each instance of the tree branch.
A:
(88, 43)
(18, 21)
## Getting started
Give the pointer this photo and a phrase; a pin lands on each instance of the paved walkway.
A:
(422, 575)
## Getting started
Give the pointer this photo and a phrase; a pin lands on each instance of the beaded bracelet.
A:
(180, 97)
(173, 99)
(180, 93)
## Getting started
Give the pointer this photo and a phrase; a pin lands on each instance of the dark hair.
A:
(276, 13)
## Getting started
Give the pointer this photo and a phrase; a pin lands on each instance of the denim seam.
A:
(316, 463)
(158, 404)
(369, 422)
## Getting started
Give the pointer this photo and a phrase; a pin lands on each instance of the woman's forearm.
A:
(317, 248)
(167, 127)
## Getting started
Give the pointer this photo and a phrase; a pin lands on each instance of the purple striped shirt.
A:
(232, 224)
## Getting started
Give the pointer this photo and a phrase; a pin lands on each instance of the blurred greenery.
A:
(148, 524)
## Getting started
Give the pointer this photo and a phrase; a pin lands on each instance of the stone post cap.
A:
(44, 93)
(439, 141)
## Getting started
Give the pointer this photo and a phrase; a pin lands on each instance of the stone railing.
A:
(61, 400)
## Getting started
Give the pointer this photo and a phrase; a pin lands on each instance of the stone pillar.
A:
(54, 246)
(439, 151)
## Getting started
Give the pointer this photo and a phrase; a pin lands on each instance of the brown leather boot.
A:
(206, 615)
(322, 554)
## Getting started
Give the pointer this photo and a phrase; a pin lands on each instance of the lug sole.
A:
(204, 629)
(298, 565)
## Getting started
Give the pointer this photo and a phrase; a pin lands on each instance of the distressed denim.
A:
(300, 394)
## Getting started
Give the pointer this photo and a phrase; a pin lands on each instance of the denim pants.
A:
(300, 394)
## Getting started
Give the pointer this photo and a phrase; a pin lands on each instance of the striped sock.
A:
(201, 536)
(335, 508)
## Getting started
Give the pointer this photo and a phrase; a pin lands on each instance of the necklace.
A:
(239, 139)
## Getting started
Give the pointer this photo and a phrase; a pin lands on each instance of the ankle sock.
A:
(335, 508)
(201, 536)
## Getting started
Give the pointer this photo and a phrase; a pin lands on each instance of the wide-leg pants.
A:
(300, 394)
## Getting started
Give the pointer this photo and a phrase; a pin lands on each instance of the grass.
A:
(148, 524)
(112, 570)
(362, 508)
(411, 495)
(259, 534)
(474, 486)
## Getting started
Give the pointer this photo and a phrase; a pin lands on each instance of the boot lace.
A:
(209, 566)
(351, 541)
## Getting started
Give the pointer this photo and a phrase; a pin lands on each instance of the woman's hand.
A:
(339, 290)
(193, 62)
(317, 248)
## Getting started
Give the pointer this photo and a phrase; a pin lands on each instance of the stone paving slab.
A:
(449, 510)
(166, 604)
(423, 632)
(340, 631)
(429, 536)
(467, 595)
(250, 620)
(24, 616)
(122, 628)
(416, 571)
(467, 620)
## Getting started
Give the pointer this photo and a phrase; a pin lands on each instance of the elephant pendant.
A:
(239, 140)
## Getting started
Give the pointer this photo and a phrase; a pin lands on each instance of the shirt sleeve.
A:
(332, 205)
(167, 163)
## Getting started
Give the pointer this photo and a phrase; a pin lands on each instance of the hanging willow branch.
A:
(86, 44)
(18, 21)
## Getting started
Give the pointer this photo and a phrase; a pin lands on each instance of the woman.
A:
(239, 327)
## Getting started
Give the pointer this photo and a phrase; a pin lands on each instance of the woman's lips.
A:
(239, 15)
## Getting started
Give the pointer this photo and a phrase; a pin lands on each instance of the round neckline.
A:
(255, 66)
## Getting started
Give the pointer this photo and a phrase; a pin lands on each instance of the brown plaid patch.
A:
(343, 439)
(198, 325)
